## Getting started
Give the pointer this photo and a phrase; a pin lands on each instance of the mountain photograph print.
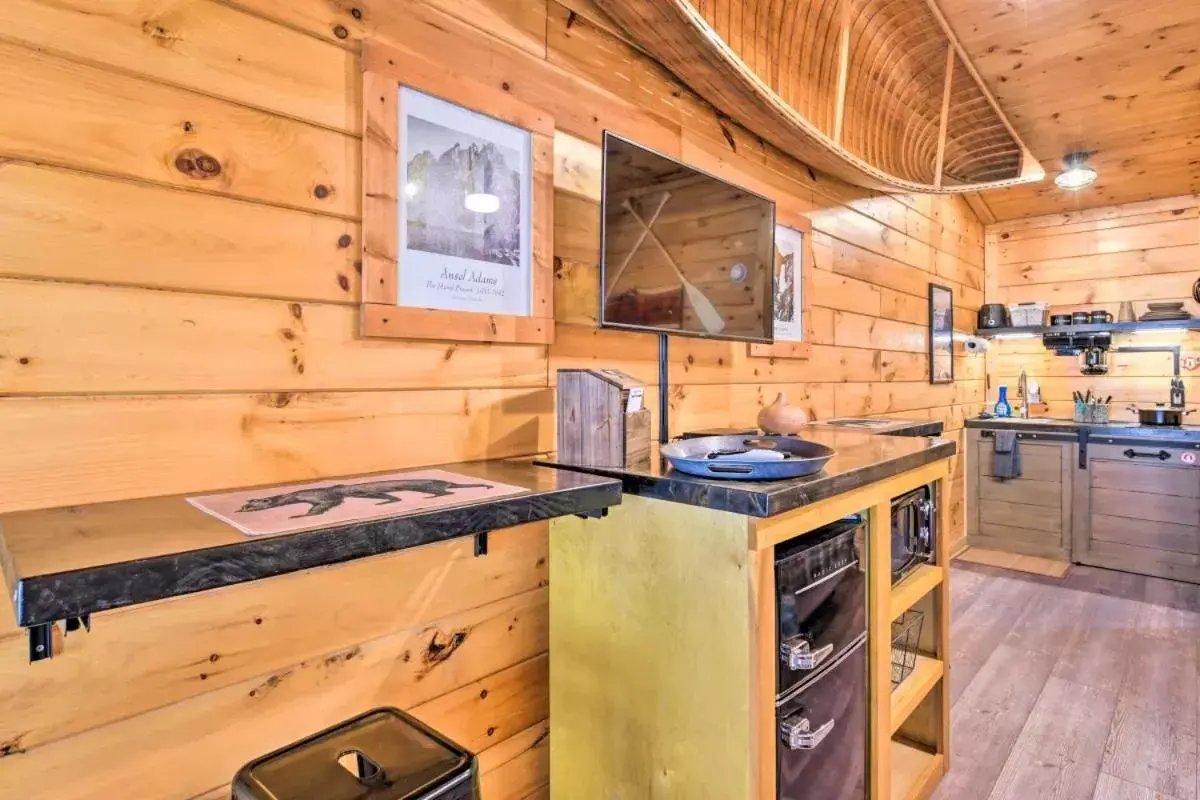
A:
(465, 221)
(465, 196)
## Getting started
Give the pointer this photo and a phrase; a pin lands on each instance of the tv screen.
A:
(681, 251)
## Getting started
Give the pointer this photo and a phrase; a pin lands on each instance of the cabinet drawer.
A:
(1024, 491)
(1039, 462)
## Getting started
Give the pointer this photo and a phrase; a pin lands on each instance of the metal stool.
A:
(383, 754)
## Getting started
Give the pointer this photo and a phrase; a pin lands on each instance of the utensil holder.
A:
(906, 640)
(1098, 413)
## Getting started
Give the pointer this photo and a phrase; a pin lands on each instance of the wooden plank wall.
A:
(179, 226)
(1142, 252)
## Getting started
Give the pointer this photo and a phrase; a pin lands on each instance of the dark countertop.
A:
(882, 427)
(862, 458)
(67, 562)
(1114, 430)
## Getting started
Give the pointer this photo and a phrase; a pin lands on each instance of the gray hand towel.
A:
(1006, 459)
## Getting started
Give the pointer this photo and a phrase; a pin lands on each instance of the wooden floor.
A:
(1073, 689)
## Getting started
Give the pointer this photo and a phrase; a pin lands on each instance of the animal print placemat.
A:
(305, 506)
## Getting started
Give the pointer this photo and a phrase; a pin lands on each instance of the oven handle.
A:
(828, 577)
(798, 654)
(797, 733)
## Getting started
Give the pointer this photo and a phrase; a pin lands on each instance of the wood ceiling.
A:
(1120, 77)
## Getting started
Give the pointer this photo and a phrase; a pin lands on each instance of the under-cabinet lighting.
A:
(1141, 331)
(1014, 335)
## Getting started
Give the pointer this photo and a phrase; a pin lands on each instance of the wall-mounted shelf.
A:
(1107, 327)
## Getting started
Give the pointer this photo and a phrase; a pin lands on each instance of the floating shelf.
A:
(920, 582)
(914, 771)
(1107, 327)
(915, 688)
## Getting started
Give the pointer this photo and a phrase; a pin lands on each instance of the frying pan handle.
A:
(730, 469)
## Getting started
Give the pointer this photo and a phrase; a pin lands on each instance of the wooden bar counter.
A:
(663, 628)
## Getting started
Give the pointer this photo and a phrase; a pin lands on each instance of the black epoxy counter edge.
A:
(51, 597)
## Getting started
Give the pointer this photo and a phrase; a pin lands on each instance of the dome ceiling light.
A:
(1076, 174)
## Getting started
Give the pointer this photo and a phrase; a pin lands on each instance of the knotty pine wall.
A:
(173, 323)
(1143, 252)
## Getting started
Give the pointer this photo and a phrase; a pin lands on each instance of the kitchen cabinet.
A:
(1137, 508)
(1031, 514)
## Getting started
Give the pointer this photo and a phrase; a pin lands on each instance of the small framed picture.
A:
(941, 334)
(792, 324)
(458, 206)
(789, 285)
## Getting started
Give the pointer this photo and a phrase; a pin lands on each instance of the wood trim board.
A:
(385, 70)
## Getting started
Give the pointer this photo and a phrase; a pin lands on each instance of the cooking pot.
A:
(1059, 320)
(1081, 317)
(993, 315)
(1101, 317)
(1160, 416)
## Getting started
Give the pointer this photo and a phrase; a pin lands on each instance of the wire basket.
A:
(906, 640)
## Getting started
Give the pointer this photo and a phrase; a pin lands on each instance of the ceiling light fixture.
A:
(1077, 174)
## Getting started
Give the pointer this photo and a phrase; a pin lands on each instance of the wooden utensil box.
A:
(602, 419)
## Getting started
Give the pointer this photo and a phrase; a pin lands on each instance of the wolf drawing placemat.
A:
(296, 507)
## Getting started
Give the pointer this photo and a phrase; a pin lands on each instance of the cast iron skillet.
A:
(1160, 416)
(748, 458)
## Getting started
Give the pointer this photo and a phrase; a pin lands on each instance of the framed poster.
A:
(793, 259)
(789, 288)
(941, 334)
(458, 204)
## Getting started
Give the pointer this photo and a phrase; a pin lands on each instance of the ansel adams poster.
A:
(789, 259)
(465, 225)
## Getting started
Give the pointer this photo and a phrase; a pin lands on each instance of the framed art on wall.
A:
(457, 206)
(941, 334)
(793, 259)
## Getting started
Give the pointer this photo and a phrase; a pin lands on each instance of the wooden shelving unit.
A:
(914, 771)
(911, 729)
(920, 582)
(915, 688)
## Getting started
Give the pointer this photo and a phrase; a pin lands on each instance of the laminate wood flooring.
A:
(1082, 688)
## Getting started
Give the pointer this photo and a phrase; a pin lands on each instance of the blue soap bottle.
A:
(1002, 408)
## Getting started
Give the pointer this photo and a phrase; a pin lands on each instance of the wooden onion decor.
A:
(876, 92)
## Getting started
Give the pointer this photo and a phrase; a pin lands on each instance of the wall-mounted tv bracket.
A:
(45, 641)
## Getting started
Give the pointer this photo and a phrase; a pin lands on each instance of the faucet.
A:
(1023, 394)
(1178, 397)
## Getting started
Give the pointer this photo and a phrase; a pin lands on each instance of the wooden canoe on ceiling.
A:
(876, 92)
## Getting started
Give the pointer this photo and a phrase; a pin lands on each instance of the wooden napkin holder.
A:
(602, 419)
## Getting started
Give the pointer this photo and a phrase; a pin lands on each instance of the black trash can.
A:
(383, 754)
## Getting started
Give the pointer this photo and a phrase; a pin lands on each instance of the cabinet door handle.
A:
(800, 655)
(1161, 455)
(798, 734)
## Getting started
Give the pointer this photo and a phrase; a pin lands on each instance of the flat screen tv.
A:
(681, 251)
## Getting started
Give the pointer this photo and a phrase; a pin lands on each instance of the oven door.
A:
(822, 752)
(822, 605)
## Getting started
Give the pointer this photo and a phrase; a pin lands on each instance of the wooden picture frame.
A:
(802, 349)
(385, 70)
(941, 321)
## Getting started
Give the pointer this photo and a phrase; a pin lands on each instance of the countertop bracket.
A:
(45, 641)
(481, 544)
(1083, 442)
(601, 514)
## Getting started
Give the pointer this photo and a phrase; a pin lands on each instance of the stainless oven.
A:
(821, 699)
(914, 530)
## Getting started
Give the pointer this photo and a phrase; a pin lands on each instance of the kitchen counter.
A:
(1113, 430)
(862, 459)
(68, 562)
